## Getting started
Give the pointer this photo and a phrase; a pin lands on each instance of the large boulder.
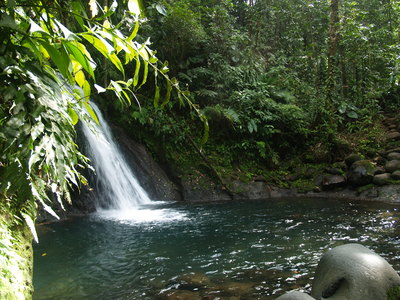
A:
(295, 295)
(353, 272)
(361, 173)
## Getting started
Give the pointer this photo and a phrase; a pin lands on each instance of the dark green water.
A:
(254, 250)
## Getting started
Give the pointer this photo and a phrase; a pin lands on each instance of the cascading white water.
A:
(120, 196)
(119, 185)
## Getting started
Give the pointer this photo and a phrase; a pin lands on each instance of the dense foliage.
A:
(276, 79)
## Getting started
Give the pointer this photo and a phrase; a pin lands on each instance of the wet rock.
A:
(382, 179)
(333, 171)
(259, 178)
(396, 175)
(392, 166)
(393, 136)
(393, 156)
(193, 191)
(353, 272)
(295, 295)
(181, 295)
(191, 281)
(379, 170)
(361, 173)
(390, 193)
(252, 190)
(236, 288)
(352, 158)
(393, 126)
(330, 182)
(310, 173)
(385, 153)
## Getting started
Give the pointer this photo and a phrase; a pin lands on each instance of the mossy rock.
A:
(352, 158)
(394, 293)
(361, 173)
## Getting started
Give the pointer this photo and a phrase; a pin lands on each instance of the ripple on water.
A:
(252, 250)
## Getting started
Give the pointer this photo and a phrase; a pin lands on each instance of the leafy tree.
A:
(50, 53)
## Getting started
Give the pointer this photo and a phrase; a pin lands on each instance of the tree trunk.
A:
(332, 47)
(16, 258)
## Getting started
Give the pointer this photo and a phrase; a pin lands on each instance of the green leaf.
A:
(115, 60)
(73, 115)
(9, 22)
(145, 73)
(206, 129)
(99, 43)
(168, 94)
(134, 32)
(86, 90)
(137, 70)
(91, 112)
(80, 57)
(79, 10)
(59, 57)
(156, 96)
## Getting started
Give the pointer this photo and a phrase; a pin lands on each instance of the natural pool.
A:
(252, 250)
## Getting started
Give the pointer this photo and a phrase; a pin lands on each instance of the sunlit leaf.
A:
(31, 225)
(134, 7)
(99, 89)
(73, 115)
(93, 8)
(80, 57)
(91, 111)
(68, 35)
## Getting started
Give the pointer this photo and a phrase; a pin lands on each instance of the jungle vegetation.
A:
(248, 86)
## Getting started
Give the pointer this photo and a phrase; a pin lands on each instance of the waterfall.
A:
(117, 188)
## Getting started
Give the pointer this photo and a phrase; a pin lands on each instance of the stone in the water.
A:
(295, 295)
(382, 179)
(181, 295)
(236, 288)
(191, 281)
(352, 272)
(361, 173)
(393, 156)
(393, 135)
(392, 166)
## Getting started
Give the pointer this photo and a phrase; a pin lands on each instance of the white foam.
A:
(142, 215)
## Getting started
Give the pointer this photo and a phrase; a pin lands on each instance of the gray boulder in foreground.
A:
(295, 295)
(353, 272)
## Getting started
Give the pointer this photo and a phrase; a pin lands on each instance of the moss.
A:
(393, 181)
(303, 185)
(365, 188)
(394, 293)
